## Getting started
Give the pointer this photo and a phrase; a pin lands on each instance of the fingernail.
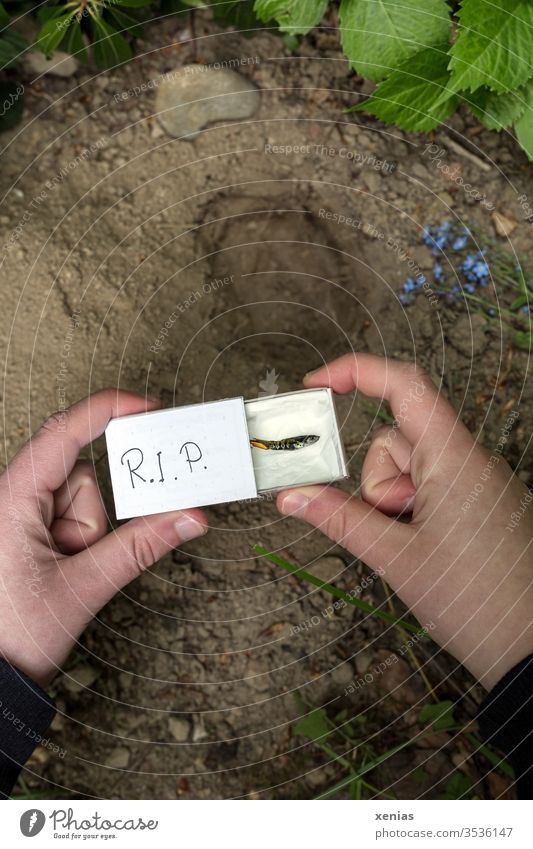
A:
(313, 371)
(295, 503)
(188, 528)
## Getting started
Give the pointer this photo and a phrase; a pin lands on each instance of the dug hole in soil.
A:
(276, 261)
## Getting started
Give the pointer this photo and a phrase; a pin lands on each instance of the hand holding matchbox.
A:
(223, 451)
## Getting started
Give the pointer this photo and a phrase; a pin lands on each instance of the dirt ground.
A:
(185, 686)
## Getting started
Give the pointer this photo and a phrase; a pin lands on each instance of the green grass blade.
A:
(329, 588)
(340, 785)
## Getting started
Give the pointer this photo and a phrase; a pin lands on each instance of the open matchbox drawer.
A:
(200, 454)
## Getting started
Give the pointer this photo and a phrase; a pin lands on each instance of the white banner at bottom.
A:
(266, 824)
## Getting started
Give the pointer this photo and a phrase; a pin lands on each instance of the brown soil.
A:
(122, 239)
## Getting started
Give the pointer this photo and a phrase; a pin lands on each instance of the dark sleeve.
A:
(25, 714)
(506, 722)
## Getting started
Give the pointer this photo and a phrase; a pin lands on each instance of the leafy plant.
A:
(471, 267)
(426, 57)
(345, 739)
(429, 56)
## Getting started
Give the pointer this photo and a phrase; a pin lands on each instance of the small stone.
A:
(80, 678)
(372, 181)
(179, 728)
(343, 674)
(199, 731)
(60, 65)
(327, 568)
(503, 224)
(39, 757)
(363, 659)
(194, 96)
(119, 758)
(445, 198)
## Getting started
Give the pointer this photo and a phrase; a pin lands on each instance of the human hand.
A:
(459, 563)
(58, 564)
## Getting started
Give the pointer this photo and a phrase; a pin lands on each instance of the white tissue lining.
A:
(306, 412)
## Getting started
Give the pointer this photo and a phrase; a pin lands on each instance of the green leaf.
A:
(378, 35)
(52, 33)
(128, 21)
(494, 46)
(11, 103)
(457, 786)
(314, 725)
(46, 13)
(497, 111)
(109, 47)
(408, 97)
(73, 42)
(4, 16)
(173, 7)
(12, 45)
(524, 340)
(440, 715)
(237, 13)
(524, 126)
(131, 4)
(294, 16)
(519, 302)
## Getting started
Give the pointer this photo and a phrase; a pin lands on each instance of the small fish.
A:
(289, 444)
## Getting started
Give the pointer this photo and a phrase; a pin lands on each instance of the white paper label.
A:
(184, 457)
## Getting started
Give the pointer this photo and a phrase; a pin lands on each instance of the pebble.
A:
(343, 674)
(80, 678)
(119, 758)
(194, 96)
(327, 568)
(60, 65)
(199, 731)
(179, 728)
(503, 224)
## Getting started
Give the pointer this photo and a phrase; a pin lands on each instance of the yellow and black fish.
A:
(290, 444)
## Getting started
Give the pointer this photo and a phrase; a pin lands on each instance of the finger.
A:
(424, 416)
(385, 478)
(46, 461)
(99, 572)
(80, 517)
(363, 530)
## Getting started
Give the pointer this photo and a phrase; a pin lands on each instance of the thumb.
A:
(368, 534)
(115, 560)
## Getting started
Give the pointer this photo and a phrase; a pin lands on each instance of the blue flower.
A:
(405, 299)
(459, 243)
(409, 285)
(438, 273)
(491, 311)
(525, 309)
(481, 269)
(470, 288)
(427, 236)
(469, 262)
(420, 280)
